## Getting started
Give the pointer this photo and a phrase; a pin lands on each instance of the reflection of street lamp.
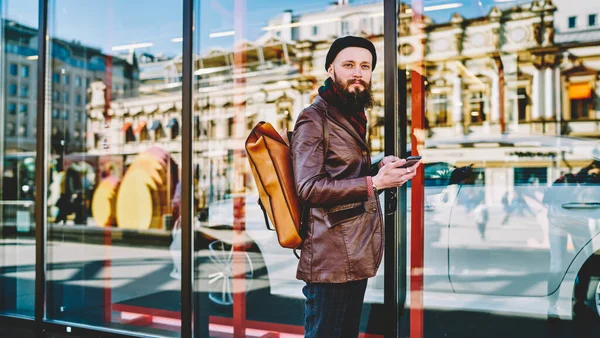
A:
(286, 117)
(284, 108)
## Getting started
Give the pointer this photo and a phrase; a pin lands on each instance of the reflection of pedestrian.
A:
(506, 204)
(78, 207)
(176, 202)
(520, 206)
(64, 208)
(481, 218)
(533, 180)
(473, 198)
(175, 247)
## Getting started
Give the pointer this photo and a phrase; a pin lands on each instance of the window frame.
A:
(593, 20)
(572, 22)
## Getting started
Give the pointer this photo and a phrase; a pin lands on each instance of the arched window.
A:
(142, 131)
(157, 128)
(174, 126)
(128, 130)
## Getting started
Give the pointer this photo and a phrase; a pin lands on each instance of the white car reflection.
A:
(511, 235)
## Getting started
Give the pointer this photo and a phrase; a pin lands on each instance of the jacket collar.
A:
(339, 119)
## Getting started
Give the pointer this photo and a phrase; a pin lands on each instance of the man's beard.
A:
(358, 100)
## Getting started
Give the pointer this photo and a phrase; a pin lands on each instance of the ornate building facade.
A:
(511, 71)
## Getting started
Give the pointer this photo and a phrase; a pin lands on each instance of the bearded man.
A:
(343, 242)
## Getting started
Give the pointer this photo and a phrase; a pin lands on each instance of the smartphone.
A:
(410, 161)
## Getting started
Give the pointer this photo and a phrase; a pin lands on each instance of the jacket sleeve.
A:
(314, 185)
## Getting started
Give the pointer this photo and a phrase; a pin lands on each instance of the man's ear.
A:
(330, 71)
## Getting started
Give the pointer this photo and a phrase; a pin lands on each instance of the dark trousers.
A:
(333, 310)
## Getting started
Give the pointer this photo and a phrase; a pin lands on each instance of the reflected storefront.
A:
(129, 209)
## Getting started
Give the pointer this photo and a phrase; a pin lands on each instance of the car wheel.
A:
(586, 306)
(219, 271)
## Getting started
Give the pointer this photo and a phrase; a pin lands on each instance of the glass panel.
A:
(261, 61)
(17, 157)
(511, 193)
(112, 179)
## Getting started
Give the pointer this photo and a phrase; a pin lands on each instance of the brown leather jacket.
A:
(344, 238)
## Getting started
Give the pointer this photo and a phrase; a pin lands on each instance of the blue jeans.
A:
(333, 310)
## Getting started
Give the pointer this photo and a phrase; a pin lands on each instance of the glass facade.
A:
(112, 178)
(503, 219)
(133, 211)
(17, 151)
(250, 70)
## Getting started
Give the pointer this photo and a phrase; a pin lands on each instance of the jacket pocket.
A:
(343, 213)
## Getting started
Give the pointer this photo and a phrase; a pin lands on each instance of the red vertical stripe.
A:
(239, 265)
(107, 230)
(417, 212)
(239, 177)
(418, 186)
(108, 68)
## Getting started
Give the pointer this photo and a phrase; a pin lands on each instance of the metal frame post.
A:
(41, 176)
(187, 226)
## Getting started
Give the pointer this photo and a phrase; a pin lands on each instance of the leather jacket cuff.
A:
(370, 188)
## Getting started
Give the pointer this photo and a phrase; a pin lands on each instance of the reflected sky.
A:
(105, 24)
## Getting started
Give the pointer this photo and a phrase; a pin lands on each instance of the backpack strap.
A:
(305, 210)
(265, 214)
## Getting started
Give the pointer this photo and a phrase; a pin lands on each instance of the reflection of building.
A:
(74, 67)
(549, 76)
(274, 91)
(518, 68)
(510, 68)
(20, 64)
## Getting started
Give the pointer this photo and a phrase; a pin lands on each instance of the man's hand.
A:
(388, 159)
(391, 175)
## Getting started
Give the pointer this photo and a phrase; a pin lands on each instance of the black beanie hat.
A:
(349, 41)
